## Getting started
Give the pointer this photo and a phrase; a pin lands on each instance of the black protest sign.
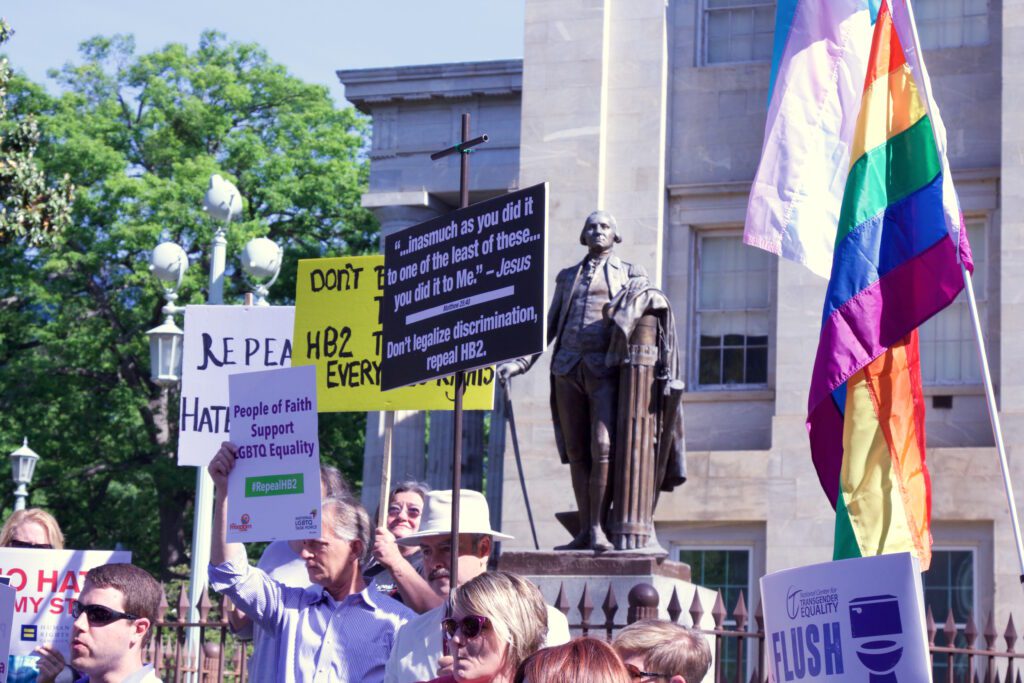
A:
(465, 290)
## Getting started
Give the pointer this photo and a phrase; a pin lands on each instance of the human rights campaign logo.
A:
(28, 632)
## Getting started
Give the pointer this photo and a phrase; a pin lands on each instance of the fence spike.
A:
(976, 679)
(183, 605)
(562, 602)
(759, 617)
(929, 623)
(610, 607)
(970, 630)
(586, 607)
(949, 629)
(225, 607)
(718, 611)
(740, 613)
(696, 610)
(1018, 676)
(164, 605)
(204, 605)
(756, 676)
(675, 608)
(1010, 635)
(990, 633)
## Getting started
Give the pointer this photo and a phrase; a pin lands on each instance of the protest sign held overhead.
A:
(220, 341)
(274, 489)
(46, 585)
(465, 290)
(338, 330)
(851, 620)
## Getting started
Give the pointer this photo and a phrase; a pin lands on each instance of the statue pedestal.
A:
(602, 583)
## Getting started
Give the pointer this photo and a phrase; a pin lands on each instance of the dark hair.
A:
(583, 660)
(140, 590)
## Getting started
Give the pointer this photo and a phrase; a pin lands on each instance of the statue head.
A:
(599, 218)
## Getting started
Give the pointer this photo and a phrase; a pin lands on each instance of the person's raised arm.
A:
(220, 467)
(414, 589)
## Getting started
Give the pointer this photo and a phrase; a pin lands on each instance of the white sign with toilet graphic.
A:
(852, 620)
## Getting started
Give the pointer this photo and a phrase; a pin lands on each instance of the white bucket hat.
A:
(474, 517)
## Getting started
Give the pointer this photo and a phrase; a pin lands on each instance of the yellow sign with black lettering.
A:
(338, 329)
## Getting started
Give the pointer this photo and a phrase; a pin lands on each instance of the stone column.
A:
(593, 126)
(1010, 222)
(439, 451)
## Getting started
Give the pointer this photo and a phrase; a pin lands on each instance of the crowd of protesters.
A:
(358, 604)
(379, 604)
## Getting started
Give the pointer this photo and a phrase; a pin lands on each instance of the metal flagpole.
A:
(993, 413)
(462, 149)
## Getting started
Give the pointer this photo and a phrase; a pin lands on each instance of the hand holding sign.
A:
(276, 455)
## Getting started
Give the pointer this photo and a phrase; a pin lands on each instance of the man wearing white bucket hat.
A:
(418, 646)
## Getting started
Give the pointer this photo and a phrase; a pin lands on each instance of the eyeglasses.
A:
(98, 615)
(637, 673)
(411, 511)
(470, 626)
(14, 543)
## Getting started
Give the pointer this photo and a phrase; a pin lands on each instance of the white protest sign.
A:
(46, 584)
(220, 341)
(6, 624)
(274, 490)
(850, 620)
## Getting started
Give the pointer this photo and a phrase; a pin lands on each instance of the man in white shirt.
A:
(114, 619)
(417, 654)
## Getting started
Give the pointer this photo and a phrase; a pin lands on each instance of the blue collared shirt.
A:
(314, 636)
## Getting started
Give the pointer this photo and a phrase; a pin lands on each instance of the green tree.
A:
(29, 209)
(140, 137)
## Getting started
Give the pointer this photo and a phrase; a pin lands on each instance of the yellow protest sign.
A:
(338, 329)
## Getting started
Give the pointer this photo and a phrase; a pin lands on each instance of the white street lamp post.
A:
(23, 466)
(261, 259)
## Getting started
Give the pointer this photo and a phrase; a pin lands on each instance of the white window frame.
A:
(703, 13)
(693, 343)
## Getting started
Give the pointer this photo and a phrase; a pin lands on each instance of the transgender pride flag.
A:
(895, 246)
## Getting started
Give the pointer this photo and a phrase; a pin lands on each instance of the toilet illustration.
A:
(875, 624)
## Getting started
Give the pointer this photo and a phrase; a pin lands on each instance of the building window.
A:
(731, 316)
(949, 350)
(737, 30)
(726, 570)
(952, 23)
(949, 585)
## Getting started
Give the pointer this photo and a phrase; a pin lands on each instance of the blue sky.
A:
(311, 38)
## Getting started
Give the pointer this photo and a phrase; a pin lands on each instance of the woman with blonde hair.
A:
(498, 620)
(34, 528)
(583, 660)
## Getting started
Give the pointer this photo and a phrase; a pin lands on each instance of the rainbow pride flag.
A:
(899, 242)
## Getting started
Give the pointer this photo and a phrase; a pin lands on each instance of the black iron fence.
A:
(959, 654)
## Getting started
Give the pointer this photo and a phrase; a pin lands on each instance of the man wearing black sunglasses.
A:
(114, 617)
(655, 651)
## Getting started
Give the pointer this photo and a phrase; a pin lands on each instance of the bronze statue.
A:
(605, 314)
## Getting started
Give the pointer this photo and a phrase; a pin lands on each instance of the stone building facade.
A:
(655, 111)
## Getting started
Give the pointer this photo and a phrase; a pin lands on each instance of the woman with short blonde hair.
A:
(32, 528)
(498, 620)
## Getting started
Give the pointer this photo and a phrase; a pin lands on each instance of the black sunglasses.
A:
(637, 673)
(98, 615)
(14, 543)
(470, 626)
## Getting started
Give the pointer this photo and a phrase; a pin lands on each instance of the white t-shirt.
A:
(418, 645)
